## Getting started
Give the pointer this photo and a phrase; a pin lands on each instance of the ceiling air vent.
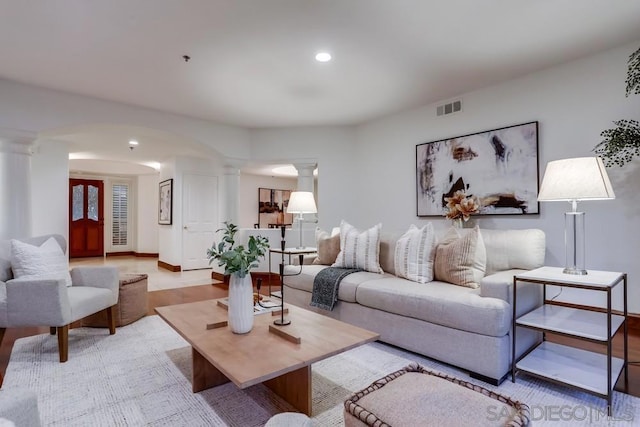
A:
(450, 108)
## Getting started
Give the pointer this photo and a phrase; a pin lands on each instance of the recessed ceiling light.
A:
(323, 57)
(133, 142)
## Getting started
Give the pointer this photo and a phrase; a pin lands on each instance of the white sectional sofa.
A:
(465, 327)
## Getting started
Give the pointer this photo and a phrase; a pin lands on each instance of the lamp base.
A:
(282, 322)
(576, 271)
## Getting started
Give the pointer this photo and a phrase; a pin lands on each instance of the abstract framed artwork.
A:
(499, 168)
(272, 208)
(165, 202)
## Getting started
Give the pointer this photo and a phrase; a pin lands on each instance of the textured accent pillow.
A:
(461, 260)
(46, 261)
(414, 254)
(328, 247)
(359, 249)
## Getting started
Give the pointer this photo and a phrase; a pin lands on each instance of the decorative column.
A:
(232, 190)
(305, 183)
(15, 183)
(305, 176)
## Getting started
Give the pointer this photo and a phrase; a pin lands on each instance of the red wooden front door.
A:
(86, 218)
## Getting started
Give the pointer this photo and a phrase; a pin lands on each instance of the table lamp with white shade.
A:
(574, 180)
(301, 202)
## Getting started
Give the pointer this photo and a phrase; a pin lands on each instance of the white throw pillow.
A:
(414, 254)
(359, 249)
(46, 261)
(461, 260)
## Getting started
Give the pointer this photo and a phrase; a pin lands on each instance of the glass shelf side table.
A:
(593, 372)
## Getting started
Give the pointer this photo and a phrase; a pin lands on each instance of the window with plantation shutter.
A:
(120, 214)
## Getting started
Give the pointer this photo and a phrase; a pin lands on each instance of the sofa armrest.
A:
(37, 302)
(500, 285)
(97, 277)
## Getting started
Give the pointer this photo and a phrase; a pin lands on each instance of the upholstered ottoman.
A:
(414, 396)
(132, 302)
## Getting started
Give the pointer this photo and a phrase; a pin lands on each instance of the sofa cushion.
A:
(328, 247)
(461, 260)
(359, 249)
(387, 251)
(414, 254)
(514, 249)
(346, 290)
(39, 262)
(438, 302)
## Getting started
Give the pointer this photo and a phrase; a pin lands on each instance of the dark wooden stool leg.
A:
(63, 342)
(111, 319)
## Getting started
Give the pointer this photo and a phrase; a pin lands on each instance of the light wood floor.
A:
(185, 294)
(159, 278)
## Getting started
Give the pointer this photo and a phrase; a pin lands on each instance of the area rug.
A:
(141, 377)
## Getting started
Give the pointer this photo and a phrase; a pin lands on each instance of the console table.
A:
(589, 371)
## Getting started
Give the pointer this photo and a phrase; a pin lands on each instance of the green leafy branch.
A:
(237, 259)
(622, 143)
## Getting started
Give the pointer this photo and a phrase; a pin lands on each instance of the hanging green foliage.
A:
(622, 143)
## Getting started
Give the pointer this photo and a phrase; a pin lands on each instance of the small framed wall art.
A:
(165, 202)
(498, 168)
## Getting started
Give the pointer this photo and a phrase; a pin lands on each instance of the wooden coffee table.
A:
(220, 356)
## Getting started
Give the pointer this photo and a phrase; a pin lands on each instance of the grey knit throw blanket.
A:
(325, 286)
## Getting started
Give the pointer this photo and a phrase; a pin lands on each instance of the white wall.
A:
(332, 148)
(573, 104)
(50, 189)
(38, 110)
(147, 214)
(249, 185)
(170, 236)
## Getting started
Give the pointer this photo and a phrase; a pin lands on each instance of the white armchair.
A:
(50, 302)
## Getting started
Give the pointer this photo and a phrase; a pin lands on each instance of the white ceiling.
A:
(252, 61)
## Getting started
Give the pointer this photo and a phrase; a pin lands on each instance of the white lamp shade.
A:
(301, 202)
(581, 178)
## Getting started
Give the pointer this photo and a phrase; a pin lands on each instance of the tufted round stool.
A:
(132, 302)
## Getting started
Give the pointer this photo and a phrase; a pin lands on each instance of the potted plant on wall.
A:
(237, 261)
(622, 143)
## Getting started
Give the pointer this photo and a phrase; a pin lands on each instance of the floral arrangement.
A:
(460, 206)
(237, 259)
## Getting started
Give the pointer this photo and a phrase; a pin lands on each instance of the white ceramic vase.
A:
(240, 304)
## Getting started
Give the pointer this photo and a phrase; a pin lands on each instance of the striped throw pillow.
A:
(359, 249)
(461, 260)
(414, 254)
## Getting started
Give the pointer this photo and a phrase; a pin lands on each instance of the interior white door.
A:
(199, 219)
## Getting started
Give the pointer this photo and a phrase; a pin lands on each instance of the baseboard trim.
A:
(124, 253)
(132, 253)
(167, 266)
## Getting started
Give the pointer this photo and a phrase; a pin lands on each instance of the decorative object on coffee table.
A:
(237, 261)
(282, 321)
(574, 180)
